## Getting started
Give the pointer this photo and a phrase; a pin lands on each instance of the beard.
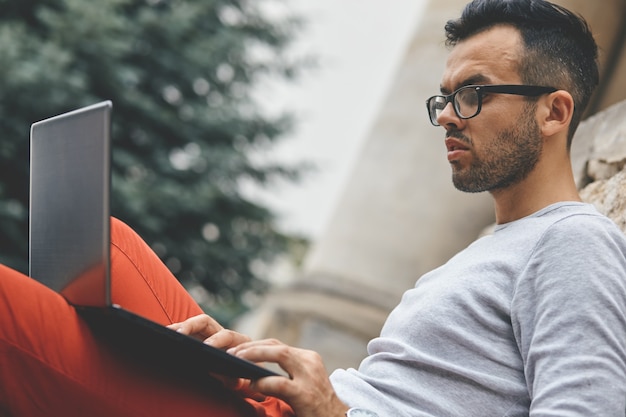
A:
(507, 160)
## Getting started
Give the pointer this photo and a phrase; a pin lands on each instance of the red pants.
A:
(51, 365)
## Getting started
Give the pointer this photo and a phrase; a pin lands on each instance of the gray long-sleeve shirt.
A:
(528, 321)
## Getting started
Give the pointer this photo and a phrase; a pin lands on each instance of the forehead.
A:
(489, 57)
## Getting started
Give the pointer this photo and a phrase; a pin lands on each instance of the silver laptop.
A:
(70, 241)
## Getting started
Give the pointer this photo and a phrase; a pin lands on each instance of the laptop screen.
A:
(69, 204)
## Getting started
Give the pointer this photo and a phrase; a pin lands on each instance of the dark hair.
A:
(559, 50)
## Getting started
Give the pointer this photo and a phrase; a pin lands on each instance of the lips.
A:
(456, 148)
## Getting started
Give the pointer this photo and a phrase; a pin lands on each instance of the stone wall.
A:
(599, 158)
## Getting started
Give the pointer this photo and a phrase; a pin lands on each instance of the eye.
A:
(467, 97)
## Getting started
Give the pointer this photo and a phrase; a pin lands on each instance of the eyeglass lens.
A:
(466, 102)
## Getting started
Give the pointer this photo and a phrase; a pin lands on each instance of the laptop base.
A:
(158, 348)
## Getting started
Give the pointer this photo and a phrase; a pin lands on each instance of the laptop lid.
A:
(70, 243)
(69, 204)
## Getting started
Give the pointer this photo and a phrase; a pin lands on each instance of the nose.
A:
(448, 117)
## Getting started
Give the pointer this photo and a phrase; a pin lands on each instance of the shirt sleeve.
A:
(569, 318)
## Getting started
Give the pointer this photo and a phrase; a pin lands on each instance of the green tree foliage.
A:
(180, 74)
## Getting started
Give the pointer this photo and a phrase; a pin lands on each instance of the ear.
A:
(556, 113)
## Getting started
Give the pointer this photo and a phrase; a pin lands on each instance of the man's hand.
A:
(208, 330)
(308, 390)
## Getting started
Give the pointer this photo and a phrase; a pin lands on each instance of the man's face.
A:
(501, 145)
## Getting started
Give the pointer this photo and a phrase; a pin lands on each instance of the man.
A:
(533, 318)
(528, 321)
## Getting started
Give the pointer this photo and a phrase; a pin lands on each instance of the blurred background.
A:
(275, 154)
(234, 121)
(357, 46)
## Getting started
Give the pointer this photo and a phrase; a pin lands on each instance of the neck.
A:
(547, 184)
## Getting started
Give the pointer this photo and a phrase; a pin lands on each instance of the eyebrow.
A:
(472, 80)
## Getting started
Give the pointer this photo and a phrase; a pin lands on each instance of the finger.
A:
(294, 361)
(255, 343)
(308, 380)
(173, 326)
(308, 389)
(201, 326)
(225, 339)
(275, 386)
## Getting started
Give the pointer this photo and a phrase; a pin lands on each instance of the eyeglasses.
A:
(467, 100)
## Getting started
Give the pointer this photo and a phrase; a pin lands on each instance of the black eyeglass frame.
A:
(516, 89)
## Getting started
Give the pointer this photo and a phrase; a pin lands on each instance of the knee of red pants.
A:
(141, 283)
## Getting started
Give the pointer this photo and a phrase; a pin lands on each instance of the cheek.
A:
(501, 112)
(484, 132)
(488, 148)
